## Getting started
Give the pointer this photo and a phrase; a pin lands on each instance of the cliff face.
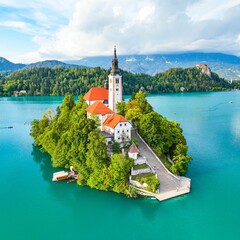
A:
(204, 69)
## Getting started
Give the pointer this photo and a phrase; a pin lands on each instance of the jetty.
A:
(170, 185)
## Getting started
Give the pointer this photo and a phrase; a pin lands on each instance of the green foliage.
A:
(163, 136)
(72, 139)
(140, 166)
(143, 104)
(135, 141)
(96, 155)
(121, 108)
(58, 81)
(116, 147)
(150, 128)
(119, 169)
(180, 165)
(148, 178)
(137, 106)
(35, 128)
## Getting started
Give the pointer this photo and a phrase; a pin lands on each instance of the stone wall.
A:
(139, 171)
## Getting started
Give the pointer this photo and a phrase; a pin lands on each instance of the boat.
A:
(62, 175)
(58, 176)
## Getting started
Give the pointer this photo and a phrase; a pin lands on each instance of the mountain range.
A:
(7, 66)
(227, 66)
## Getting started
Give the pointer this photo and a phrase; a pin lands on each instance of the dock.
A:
(62, 175)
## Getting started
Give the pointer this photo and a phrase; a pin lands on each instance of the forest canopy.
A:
(72, 139)
(59, 81)
(163, 136)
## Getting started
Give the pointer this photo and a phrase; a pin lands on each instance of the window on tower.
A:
(117, 89)
(117, 80)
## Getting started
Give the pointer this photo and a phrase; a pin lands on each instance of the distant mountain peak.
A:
(6, 65)
(50, 64)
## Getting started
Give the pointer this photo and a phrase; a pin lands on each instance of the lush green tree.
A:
(116, 147)
(150, 128)
(163, 136)
(59, 155)
(99, 179)
(180, 165)
(121, 108)
(119, 171)
(35, 128)
(134, 115)
(143, 104)
(97, 155)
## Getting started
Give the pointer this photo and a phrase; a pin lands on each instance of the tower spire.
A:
(115, 52)
(114, 83)
(115, 69)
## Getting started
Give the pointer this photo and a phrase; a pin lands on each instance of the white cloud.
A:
(71, 29)
(214, 9)
(15, 24)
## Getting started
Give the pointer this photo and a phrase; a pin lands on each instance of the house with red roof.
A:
(102, 103)
(119, 126)
(133, 151)
(96, 94)
(100, 110)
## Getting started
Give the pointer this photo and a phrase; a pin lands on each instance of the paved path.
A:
(170, 185)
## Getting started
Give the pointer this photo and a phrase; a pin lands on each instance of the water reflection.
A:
(44, 161)
(77, 197)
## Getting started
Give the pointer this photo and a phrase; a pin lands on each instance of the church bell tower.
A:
(114, 84)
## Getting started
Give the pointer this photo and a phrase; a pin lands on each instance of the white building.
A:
(100, 110)
(118, 126)
(102, 102)
(114, 84)
(133, 152)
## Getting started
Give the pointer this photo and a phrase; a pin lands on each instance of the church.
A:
(102, 103)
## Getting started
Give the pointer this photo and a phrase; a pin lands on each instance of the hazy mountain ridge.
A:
(227, 66)
(7, 66)
(50, 63)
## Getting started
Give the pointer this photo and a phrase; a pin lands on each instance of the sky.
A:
(37, 30)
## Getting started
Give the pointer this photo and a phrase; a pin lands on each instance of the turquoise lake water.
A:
(33, 207)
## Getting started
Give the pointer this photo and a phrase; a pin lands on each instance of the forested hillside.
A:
(163, 136)
(73, 139)
(77, 81)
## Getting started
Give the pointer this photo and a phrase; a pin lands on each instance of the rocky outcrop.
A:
(204, 69)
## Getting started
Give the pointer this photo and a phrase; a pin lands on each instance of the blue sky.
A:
(36, 30)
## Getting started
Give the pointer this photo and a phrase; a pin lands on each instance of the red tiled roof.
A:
(96, 94)
(113, 120)
(98, 108)
(133, 149)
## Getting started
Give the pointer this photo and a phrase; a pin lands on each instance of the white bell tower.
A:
(114, 84)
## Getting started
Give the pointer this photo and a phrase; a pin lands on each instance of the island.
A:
(116, 146)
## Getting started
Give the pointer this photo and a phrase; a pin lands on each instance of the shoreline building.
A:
(102, 103)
